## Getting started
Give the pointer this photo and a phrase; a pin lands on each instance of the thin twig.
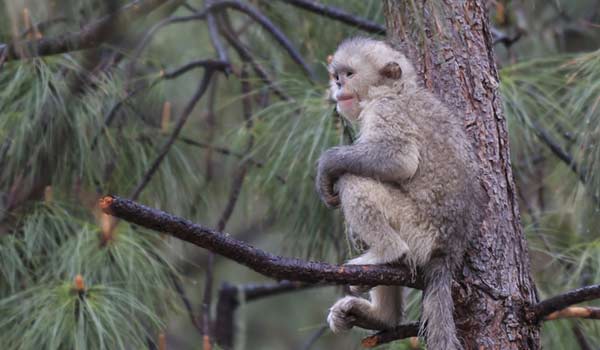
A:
(267, 264)
(582, 340)
(563, 155)
(228, 152)
(178, 126)
(173, 74)
(544, 308)
(186, 302)
(213, 32)
(246, 56)
(236, 189)
(203, 63)
(245, 8)
(338, 15)
(211, 126)
(402, 331)
(314, 337)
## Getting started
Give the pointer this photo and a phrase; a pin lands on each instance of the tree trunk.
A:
(450, 45)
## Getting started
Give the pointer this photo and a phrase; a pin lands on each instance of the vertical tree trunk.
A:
(449, 41)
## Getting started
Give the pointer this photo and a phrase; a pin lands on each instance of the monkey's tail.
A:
(437, 322)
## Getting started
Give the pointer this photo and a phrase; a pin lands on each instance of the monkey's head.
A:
(361, 64)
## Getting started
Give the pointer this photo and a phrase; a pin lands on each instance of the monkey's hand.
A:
(328, 172)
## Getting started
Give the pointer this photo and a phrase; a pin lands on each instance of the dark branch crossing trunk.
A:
(451, 45)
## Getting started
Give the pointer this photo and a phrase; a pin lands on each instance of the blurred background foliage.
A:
(71, 278)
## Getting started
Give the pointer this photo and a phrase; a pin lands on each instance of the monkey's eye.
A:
(349, 74)
(337, 77)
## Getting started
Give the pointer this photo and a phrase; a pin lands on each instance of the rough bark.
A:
(451, 46)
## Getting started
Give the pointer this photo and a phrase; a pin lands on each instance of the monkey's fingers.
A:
(332, 201)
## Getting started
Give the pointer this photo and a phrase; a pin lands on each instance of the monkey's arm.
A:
(384, 161)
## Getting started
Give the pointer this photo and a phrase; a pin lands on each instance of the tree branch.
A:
(213, 31)
(315, 336)
(229, 152)
(584, 344)
(545, 308)
(90, 36)
(338, 15)
(229, 301)
(112, 113)
(236, 188)
(187, 304)
(267, 264)
(246, 56)
(575, 312)
(402, 331)
(563, 155)
(180, 123)
(238, 6)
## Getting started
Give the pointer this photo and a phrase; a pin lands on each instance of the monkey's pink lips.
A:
(344, 98)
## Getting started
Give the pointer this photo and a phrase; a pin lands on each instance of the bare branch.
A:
(180, 123)
(229, 152)
(225, 322)
(186, 302)
(270, 265)
(112, 113)
(402, 331)
(90, 36)
(205, 63)
(339, 15)
(314, 337)
(543, 309)
(246, 56)
(563, 155)
(213, 32)
(582, 340)
(236, 188)
(236, 5)
(229, 301)
(575, 312)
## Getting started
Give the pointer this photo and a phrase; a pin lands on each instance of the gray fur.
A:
(407, 187)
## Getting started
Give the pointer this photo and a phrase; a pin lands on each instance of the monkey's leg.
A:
(365, 203)
(384, 311)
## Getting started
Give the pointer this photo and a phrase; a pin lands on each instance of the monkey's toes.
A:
(339, 318)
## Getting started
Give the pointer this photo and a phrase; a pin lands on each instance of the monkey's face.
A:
(357, 66)
(350, 86)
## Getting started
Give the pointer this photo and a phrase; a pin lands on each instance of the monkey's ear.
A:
(391, 70)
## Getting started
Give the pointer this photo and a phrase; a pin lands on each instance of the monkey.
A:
(407, 187)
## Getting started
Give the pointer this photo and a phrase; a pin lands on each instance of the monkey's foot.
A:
(352, 311)
(340, 317)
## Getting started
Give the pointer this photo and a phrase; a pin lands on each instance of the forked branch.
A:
(544, 309)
